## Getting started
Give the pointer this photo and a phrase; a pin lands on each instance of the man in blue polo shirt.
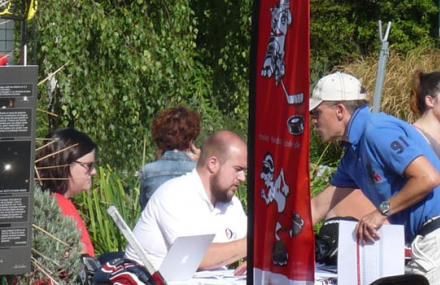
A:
(389, 160)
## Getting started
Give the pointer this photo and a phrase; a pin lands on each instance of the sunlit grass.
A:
(109, 189)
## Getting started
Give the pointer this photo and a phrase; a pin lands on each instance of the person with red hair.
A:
(174, 132)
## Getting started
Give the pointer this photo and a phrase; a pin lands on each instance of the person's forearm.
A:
(318, 213)
(421, 182)
(422, 179)
(326, 200)
(413, 192)
(221, 254)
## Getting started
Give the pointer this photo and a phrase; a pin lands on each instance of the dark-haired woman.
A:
(426, 103)
(65, 167)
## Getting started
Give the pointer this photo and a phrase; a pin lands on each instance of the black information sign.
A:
(15, 89)
(15, 122)
(18, 96)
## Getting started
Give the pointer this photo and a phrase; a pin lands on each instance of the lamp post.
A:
(381, 68)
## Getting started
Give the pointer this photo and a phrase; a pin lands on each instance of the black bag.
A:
(90, 266)
(122, 271)
(326, 242)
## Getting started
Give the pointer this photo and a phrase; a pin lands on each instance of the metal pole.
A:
(381, 68)
(24, 41)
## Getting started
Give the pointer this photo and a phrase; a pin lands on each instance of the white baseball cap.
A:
(336, 87)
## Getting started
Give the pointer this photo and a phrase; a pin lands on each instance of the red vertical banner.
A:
(283, 241)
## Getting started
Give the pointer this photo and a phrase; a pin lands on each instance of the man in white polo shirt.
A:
(202, 201)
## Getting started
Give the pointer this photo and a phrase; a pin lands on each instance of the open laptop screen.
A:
(184, 257)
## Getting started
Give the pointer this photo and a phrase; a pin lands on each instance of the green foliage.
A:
(56, 245)
(124, 63)
(127, 60)
(346, 30)
(321, 169)
(110, 190)
(242, 195)
(324, 153)
(223, 46)
(324, 158)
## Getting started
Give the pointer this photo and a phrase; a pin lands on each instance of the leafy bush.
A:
(126, 60)
(342, 31)
(56, 245)
(109, 190)
(223, 45)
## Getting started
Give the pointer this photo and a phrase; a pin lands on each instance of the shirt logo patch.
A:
(229, 234)
(374, 176)
(399, 145)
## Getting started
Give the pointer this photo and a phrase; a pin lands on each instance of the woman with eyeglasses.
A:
(65, 166)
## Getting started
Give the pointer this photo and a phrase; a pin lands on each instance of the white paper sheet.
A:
(367, 262)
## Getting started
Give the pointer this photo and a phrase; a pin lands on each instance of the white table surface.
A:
(217, 277)
(225, 277)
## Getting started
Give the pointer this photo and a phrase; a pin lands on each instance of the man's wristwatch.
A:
(385, 208)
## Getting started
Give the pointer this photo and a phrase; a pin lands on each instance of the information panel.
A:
(18, 96)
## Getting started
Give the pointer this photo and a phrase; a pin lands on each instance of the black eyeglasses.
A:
(315, 113)
(89, 166)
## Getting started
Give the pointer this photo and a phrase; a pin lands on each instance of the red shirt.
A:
(68, 209)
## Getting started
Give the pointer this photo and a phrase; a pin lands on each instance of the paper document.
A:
(325, 274)
(364, 263)
(218, 274)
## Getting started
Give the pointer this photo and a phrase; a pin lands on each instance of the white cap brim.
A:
(314, 102)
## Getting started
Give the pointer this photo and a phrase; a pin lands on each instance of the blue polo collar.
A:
(357, 125)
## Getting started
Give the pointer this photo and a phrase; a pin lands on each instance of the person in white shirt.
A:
(200, 202)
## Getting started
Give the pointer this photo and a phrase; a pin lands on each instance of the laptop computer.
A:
(184, 257)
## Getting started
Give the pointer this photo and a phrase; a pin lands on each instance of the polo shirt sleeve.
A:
(392, 148)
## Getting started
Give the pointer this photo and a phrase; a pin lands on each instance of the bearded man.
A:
(200, 202)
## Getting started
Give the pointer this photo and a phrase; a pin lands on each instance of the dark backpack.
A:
(326, 242)
(122, 271)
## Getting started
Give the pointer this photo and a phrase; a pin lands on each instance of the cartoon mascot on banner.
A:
(277, 191)
(274, 64)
